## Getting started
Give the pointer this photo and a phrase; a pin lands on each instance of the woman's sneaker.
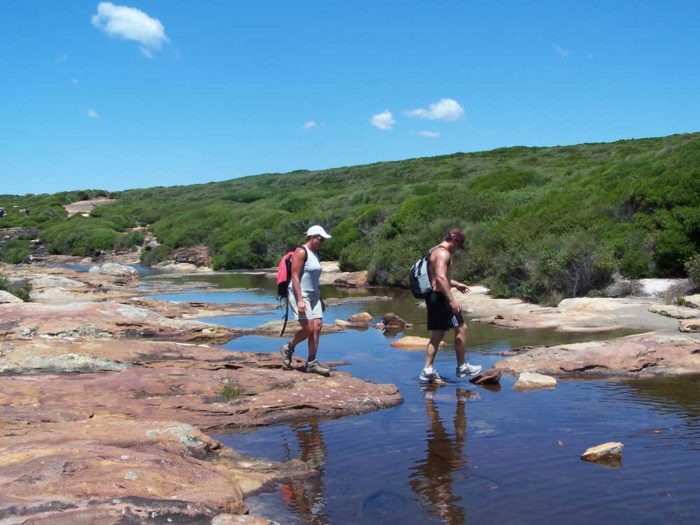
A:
(317, 368)
(429, 375)
(286, 352)
(467, 370)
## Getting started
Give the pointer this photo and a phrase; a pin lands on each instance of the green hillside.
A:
(542, 223)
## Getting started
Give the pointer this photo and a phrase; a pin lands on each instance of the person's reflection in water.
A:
(305, 496)
(432, 478)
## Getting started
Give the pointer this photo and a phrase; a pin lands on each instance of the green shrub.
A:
(14, 252)
(636, 264)
(692, 268)
(156, 255)
(355, 257)
(232, 392)
(525, 211)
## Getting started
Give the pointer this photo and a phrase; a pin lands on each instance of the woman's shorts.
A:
(313, 306)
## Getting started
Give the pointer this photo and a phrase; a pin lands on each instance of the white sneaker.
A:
(467, 370)
(429, 375)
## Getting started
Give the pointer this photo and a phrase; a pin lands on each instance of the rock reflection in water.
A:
(432, 478)
(306, 497)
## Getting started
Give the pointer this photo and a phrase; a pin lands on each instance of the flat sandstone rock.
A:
(532, 381)
(650, 354)
(411, 342)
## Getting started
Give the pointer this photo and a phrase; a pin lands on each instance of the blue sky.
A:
(178, 92)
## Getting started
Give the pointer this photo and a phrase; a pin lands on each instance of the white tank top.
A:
(310, 275)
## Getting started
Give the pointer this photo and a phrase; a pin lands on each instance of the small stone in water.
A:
(610, 452)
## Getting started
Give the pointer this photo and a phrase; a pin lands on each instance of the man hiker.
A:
(444, 313)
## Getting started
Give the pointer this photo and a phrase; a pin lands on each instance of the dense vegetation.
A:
(542, 223)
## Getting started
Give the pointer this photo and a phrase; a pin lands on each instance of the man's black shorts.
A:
(440, 315)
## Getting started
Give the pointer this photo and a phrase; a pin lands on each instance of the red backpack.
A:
(284, 272)
(284, 277)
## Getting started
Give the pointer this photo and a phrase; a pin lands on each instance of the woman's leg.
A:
(303, 333)
(314, 337)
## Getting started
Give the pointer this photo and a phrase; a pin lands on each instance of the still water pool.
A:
(464, 454)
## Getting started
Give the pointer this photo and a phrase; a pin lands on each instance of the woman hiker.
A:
(305, 300)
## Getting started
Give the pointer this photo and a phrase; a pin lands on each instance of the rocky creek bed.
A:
(109, 398)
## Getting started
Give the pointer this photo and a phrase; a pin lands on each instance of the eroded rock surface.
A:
(115, 269)
(646, 354)
(133, 446)
(195, 309)
(86, 206)
(583, 314)
(101, 320)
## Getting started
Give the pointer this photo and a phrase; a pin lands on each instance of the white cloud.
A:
(445, 109)
(92, 113)
(563, 53)
(309, 125)
(384, 120)
(429, 134)
(130, 23)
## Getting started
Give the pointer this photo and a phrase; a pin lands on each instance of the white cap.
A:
(317, 230)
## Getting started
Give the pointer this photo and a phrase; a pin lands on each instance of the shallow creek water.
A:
(464, 454)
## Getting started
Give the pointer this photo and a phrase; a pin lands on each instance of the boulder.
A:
(532, 381)
(349, 324)
(689, 325)
(411, 342)
(7, 297)
(361, 317)
(490, 377)
(606, 453)
(692, 301)
(392, 321)
(196, 255)
(55, 281)
(115, 270)
(676, 312)
(351, 280)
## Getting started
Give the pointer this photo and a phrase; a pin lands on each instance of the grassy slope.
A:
(543, 223)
